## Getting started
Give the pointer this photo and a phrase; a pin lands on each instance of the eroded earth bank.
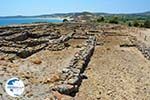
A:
(76, 61)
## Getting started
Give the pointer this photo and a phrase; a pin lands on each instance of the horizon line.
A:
(76, 12)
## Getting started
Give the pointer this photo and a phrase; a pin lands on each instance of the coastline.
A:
(22, 25)
(55, 18)
(34, 21)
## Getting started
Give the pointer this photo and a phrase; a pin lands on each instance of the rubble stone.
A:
(66, 88)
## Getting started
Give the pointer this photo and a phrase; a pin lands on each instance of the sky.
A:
(38, 7)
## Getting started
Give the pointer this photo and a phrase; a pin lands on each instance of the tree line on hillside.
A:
(136, 22)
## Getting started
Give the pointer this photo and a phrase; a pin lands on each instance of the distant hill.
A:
(144, 13)
(76, 14)
(18, 16)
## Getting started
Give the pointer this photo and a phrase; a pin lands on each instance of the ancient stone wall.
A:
(145, 50)
(71, 76)
(25, 43)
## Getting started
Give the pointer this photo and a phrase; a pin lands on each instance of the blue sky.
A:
(37, 7)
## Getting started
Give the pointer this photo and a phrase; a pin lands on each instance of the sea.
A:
(13, 21)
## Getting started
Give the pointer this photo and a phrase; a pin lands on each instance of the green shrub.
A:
(65, 20)
(114, 20)
(101, 19)
(136, 23)
(129, 24)
(147, 24)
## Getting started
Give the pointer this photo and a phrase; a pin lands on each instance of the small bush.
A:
(130, 24)
(147, 24)
(65, 20)
(101, 19)
(114, 20)
(136, 23)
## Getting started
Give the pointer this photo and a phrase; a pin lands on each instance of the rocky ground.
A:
(76, 61)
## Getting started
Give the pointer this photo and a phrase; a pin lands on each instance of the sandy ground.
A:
(116, 73)
(37, 71)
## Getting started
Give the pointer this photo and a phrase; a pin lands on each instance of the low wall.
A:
(72, 75)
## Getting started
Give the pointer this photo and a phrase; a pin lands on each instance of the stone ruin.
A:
(25, 43)
(145, 50)
(29, 40)
(141, 46)
(72, 75)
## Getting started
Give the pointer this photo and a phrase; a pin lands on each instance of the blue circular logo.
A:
(14, 87)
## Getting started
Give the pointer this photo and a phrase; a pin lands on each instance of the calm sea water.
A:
(10, 21)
